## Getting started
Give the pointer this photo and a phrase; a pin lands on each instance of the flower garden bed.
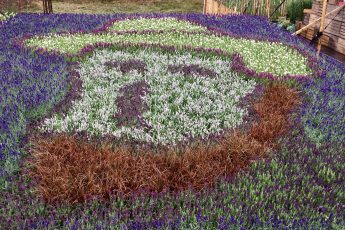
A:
(167, 121)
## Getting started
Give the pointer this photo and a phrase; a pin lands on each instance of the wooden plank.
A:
(307, 11)
(316, 21)
(339, 21)
(310, 34)
(335, 31)
(342, 33)
(333, 28)
(333, 24)
(339, 15)
(317, 8)
(325, 40)
(329, 33)
(339, 48)
(334, 35)
(341, 41)
(215, 7)
(342, 30)
(332, 43)
(342, 27)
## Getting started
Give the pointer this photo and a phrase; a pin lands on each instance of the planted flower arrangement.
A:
(167, 122)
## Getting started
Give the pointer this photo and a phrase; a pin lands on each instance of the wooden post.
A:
(209, 5)
(47, 6)
(204, 8)
(322, 25)
(262, 10)
(258, 7)
(50, 6)
(44, 6)
(252, 8)
(268, 8)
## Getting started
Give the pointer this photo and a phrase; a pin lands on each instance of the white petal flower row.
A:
(275, 58)
(166, 23)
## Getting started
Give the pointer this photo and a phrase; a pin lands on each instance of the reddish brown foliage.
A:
(72, 171)
(273, 110)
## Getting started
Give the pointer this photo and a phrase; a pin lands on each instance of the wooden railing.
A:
(334, 33)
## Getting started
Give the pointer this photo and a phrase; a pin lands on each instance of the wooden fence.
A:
(254, 7)
(216, 7)
(334, 35)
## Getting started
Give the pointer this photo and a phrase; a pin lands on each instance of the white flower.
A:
(178, 107)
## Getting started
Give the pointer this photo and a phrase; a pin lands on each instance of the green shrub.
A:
(296, 7)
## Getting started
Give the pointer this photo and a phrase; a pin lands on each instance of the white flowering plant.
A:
(260, 56)
(187, 97)
(157, 24)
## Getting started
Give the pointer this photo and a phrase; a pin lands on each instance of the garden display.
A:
(167, 121)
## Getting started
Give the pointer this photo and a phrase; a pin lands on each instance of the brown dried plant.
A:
(273, 110)
(69, 170)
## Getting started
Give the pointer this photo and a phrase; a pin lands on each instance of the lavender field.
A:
(167, 121)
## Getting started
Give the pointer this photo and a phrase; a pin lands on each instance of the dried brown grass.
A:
(72, 171)
(69, 170)
(273, 110)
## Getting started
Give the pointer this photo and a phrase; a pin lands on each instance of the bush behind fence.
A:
(291, 8)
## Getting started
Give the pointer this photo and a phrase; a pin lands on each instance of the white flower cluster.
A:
(179, 106)
(275, 58)
(167, 23)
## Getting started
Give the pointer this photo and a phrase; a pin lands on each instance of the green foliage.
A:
(296, 7)
(251, 8)
(6, 15)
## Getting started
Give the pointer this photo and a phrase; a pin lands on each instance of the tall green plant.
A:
(296, 7)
